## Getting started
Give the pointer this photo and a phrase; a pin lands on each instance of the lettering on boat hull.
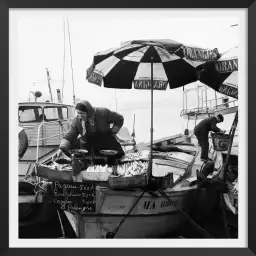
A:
(160, 204)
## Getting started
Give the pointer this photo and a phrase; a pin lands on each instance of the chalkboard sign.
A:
(75, 196)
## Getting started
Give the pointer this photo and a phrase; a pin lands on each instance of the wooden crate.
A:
(95, 176)
(136, 181)
(54, 175)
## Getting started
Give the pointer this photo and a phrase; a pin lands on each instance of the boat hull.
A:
(152, 217)
(152, 226)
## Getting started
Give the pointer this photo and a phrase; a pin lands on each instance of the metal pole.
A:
(116, 99)
(216, 103)
(206, 100)
(198, 98)
(186, 101)
(151, 130)
(183, 100)
(49, 85)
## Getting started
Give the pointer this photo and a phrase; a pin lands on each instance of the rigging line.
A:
(63, 68)
(71, 62)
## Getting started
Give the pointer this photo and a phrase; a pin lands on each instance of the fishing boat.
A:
(99, 204)
(45, 122)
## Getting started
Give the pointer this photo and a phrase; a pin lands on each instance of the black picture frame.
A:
(4, 129)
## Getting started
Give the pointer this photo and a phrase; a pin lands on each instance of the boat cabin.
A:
(56, 118)
(45, 123)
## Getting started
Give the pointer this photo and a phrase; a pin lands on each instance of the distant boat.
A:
(206, 106)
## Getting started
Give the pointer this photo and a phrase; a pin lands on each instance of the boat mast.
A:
(74, 97)
(64, 58)
(49, 84)
(216, 100)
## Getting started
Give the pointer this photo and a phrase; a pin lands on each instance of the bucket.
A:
(220, 141)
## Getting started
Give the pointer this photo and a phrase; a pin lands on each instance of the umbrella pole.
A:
(151, 130)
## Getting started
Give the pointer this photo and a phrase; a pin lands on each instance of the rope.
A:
(112, 234)
(200, 229)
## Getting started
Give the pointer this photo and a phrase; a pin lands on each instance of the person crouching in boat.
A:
(92, 124)
(201, 131)
(23, 142)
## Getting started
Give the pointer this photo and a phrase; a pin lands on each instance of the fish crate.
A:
(50, 174)
(220, 141)
(124, 182)
(95, 176)
(96, 173)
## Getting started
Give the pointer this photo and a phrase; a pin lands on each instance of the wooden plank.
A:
(165, 162)
(31, 199)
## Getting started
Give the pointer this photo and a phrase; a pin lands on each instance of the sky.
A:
(39, 39)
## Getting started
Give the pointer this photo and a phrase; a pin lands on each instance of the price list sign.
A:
(75, 196)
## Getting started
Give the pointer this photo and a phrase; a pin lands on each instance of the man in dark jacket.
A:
(93, 126)
(202, 132)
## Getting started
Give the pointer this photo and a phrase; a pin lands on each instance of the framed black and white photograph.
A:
(132, 128)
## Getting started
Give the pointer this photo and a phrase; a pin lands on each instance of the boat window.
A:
(64, 113)
(29, 114)
(55, 113)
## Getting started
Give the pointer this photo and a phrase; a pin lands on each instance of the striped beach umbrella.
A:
(129, 66)
(141, 63)
(222, 74)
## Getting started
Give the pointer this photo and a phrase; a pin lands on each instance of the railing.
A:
(45, 138)
(210, 110)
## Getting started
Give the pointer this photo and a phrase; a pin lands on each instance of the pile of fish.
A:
(60, 167)
(132, 168)
(100, 168)
(136, 156)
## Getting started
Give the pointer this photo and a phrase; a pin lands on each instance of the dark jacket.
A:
(202, 129)
(99, 120)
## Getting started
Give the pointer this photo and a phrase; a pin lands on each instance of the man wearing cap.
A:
(202, 132)
(93, 126)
